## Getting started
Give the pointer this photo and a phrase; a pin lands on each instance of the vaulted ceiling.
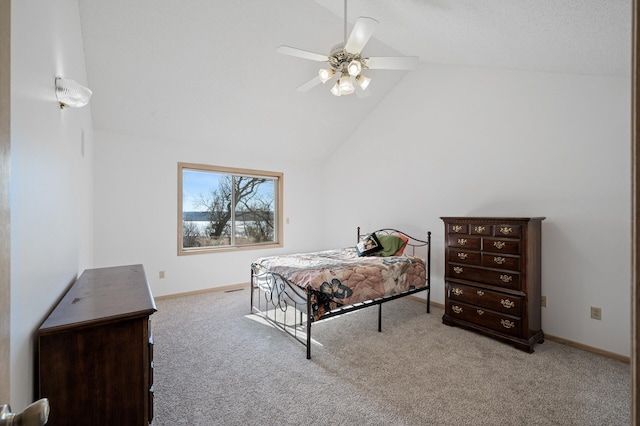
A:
(202, 70)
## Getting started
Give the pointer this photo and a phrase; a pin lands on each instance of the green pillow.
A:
(390, 245)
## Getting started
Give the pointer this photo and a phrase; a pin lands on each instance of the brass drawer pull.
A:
(499, 260)
(506, 230)
(480, 312)
(457, 270)
(507, 303)
(457, 309)
(506, 278)
(462, 255)
(462, 241)
(506, 323)
(480, 292)
(498, 244)
(456, 291)
(480, 228)
(456, 228)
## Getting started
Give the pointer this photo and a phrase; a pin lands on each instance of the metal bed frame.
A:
(281, 295)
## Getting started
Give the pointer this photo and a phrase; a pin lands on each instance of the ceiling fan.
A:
(346, 61)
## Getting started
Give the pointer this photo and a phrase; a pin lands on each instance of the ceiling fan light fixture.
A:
(335, 90)
(325, 74)
(346, 58)
(354, 67)
(363, 81)
(346, 85)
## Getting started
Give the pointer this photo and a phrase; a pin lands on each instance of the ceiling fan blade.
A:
(360, 35)
(304, 54)
(392, 62)
(309, 84)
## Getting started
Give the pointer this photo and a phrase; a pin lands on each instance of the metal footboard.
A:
(279, 302)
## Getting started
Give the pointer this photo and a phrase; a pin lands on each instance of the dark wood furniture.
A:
(492, 277)
(96, 350)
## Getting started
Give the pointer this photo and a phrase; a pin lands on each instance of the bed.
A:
(294, 291)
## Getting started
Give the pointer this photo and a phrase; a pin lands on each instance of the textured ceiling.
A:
(568, 36)
(207, 71)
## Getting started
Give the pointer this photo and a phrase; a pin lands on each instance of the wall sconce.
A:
(71, 93)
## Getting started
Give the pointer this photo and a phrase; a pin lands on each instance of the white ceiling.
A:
(207, 71)
(569, 36)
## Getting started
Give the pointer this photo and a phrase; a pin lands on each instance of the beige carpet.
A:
(216, 365)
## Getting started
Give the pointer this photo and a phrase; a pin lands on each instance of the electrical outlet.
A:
(596, 313)
(161, 275)
(543, 301)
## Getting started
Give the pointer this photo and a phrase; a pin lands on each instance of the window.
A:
(221, 208)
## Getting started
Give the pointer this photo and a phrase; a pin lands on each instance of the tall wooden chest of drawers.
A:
(492, 277)
(96, 351)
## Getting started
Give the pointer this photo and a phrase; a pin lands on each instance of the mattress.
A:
(342, 277)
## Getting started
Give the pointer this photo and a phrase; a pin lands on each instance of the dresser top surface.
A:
(103, 294)
(491, 219)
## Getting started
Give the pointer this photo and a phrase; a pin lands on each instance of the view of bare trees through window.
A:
(226, 209)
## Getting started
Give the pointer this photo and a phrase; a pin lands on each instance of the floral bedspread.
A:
(340, 277)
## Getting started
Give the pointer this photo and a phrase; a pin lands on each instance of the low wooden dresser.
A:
(96, 351)
(492, 277)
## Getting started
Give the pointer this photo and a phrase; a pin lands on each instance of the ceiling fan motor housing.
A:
(340, 58)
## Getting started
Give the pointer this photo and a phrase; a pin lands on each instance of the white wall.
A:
(51, 189)
(136, 209)
(456, 141)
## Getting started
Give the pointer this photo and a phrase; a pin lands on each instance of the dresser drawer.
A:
(150, 343)
(511, 231)
(511, 263)
(496, 301)
(456, 228)
(497, 245)
(466, 257)
(464, 241)
(480, 229)
(151, 396)
(497, 321)
(503, 279)
(151, 364)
